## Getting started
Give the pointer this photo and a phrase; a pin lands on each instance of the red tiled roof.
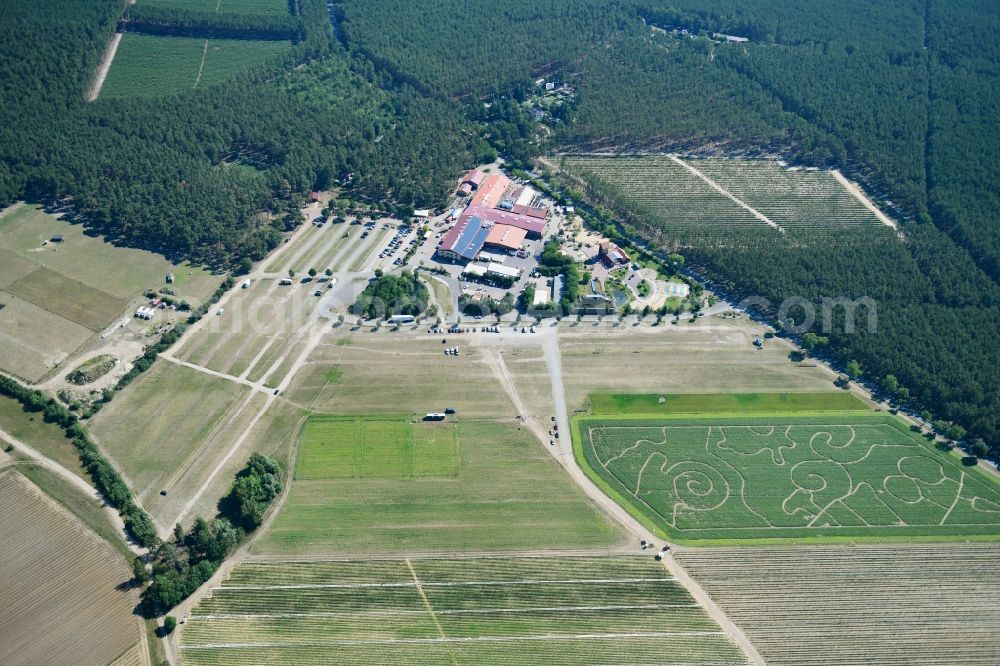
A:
(506, 236)
(540, 213)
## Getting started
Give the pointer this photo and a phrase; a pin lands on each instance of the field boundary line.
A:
(497, 583)
(204, 53)
(856, 192)
(430, 608)
(453, 611)
(726, 193)
(460, 639)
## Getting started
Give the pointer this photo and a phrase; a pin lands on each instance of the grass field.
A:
(812, 476)
(842, 606)
(695, 403)
(508, 494)
(374, 449)
(257, 7)
(711, 356)
(57, 296)
(158, 428)
(477, 611)
(152, 65)
(46, 438)
(393, 374)
(60, 603)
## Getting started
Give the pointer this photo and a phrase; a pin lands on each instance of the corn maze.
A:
(553, 610)
(825, 476)
(727, 199)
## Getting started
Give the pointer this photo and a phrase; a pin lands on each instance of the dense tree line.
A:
(178, 21)
(104, 476)
(182, 564)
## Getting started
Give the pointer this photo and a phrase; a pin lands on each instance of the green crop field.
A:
(151, 65)
(716, 403)
(731, 202)
(256, 7)
(569, 610)
(846, 475)
(347, 448)
(505, 492)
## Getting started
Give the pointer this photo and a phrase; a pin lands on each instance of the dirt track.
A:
(105, 67)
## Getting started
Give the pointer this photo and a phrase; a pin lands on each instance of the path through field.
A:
(726, 193)
(104, 68)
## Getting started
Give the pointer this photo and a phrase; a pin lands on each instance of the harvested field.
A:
(59, 604)
(75, 301)
(818, 476)
(508, 494)
(33, 340)
(477, 611)
(881, 605)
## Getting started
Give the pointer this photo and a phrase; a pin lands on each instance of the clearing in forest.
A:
(811, 476)
(153, 65)
(565, 610)
(722, 198)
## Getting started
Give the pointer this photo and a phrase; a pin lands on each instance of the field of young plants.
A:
(771, 477)
(256, 7)
(152, 65)
(566, 610)
(880, 605)
(713, 198)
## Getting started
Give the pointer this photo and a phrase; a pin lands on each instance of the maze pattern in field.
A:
(756, 478)
(556, 610)
(661, 189)
(879, 605)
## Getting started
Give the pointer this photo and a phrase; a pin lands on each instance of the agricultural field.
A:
(814, 476)
(61, 602)
(56, 296)
(694, 403)
(153, 65)
(571, 610)
(344, 448)
(507, 493)
(879, 605)
(394, 374)
(255, 7)
(164, 432)
(46, 438)
(664, 190)
(714, 355)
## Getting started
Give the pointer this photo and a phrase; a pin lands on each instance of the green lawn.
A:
(560, 610)
(723, 403)
(153, 65)
(376, 486)
(760, 477)
(333, 448)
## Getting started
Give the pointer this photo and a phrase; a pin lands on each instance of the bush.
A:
(169, 624)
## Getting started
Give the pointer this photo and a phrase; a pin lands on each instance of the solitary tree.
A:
(328, 272)
(291, 272)
(169, 624)
(312, 272)
(853, 369)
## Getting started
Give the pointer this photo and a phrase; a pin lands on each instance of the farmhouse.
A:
(612, 255)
